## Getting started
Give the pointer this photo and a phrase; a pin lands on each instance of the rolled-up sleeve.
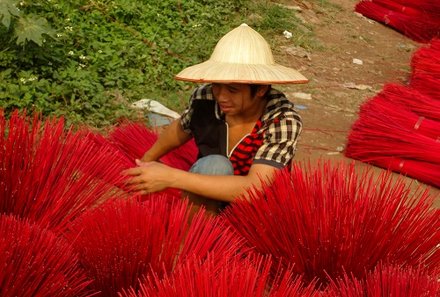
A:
(279, 143)
(185, 117)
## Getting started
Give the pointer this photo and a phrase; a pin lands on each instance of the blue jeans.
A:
(211, 165)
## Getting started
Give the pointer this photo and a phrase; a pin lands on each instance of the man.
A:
(245, 130)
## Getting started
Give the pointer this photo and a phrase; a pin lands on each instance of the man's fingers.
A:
(138, 187)
(135, 180)
(132, 171)
(141, 163)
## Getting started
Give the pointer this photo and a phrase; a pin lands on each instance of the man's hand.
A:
(149, 177)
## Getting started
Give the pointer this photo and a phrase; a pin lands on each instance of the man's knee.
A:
(213, 165)
(210, 165)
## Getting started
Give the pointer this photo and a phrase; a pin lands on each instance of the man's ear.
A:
(262, 90)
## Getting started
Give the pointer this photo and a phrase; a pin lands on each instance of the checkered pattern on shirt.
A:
(281, 127)
(279, 144)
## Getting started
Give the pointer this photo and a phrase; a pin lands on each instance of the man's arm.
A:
(153, 176)
(227, 187)
(172, 137)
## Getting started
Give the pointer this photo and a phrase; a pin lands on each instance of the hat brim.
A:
(217, 72)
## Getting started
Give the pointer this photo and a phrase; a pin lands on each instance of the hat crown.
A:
(243, 45)
(241, 56)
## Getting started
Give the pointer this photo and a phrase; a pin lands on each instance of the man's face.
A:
(233, 99)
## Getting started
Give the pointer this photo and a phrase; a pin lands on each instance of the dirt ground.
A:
(343, 36)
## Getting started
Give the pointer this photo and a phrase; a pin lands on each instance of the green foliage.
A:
(7, 11)
(32, 28)
(90, 59)
(276, 19)
(26, 27)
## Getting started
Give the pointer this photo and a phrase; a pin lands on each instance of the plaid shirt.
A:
(272, 141)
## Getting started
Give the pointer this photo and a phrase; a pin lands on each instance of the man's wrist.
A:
(176, 177)
(147, 158)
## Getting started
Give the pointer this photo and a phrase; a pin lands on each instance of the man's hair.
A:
(255, 87)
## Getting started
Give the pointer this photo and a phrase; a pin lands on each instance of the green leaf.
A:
(8, 9)
(32, 28)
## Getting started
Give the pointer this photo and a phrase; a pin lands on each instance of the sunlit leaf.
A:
(32, 28)
(8, 9)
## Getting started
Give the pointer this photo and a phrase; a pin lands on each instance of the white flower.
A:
(23, 80)
(70, 53)
(68, 28)
(82, 57)
(82, 65)
(99, 51)
(59, 35)
(32, 78)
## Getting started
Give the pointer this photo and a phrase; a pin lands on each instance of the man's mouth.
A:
(224, 106)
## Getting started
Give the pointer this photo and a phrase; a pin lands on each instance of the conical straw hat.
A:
(241, 56)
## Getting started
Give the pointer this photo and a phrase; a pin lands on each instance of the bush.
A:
(88, 60)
